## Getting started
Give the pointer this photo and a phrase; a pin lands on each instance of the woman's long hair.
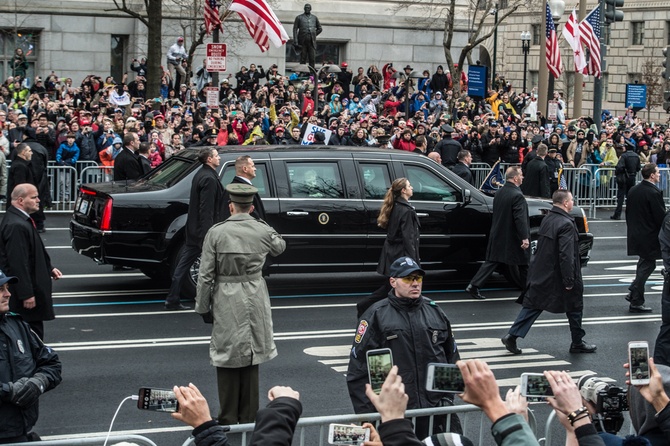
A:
(389, 199)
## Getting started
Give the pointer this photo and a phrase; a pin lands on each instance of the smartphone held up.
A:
(638, 362)
(380, 363)
(445, 378)
(158, 400)
(347, 434)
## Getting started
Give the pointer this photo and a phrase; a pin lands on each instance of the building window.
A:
(326, 53)
(606, 85)
(10, 40)
(570, 84)
(667, 33)
(536, 34)
(607, 34)
(637, 33)
(118, 56)
(634, 78)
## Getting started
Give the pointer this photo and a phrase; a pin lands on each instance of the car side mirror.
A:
(467, 197)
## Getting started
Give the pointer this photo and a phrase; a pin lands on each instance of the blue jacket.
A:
(67, 155)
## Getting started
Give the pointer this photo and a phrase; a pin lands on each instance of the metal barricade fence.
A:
(322, 423)
(95, 441)
(63, 181)
(96, 174)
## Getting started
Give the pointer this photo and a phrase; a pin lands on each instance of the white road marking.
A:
(59, 247)
(101, 275)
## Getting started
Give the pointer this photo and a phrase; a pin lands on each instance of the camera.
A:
(609, 399)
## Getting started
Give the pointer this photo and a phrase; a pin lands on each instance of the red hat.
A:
(243, 91)
(159, 116)
(643, 143)
(650, 131)
(279, 129)
(344, 64)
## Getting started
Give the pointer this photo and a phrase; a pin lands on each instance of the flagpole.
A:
(597, 83)
(543, 71)
(579, 77)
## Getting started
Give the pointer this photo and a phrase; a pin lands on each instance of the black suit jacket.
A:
(20, 172)
(464, 172)
(645, 210)
(510, 225)
(127, 166)
(259, 210)
(145, 163)
(206, 205)
(22, 254)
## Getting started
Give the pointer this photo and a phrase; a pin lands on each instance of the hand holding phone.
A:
(638, 362)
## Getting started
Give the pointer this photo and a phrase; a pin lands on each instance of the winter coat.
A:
(536, 181)
(402, 238)
(22, 254)
(67, 155)
(24, 355)
(556, 266)
(127, 166)
(510, 225)
(231, 286)
(463, 171)
(417, 331)
(206, 206)
(645, 210)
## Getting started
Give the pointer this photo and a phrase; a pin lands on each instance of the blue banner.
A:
(636, 96)
(477, 81)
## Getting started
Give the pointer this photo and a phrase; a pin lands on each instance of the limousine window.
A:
(376, 180)
(429, 187)
(169, 173)
(260, 182)
(315, 180)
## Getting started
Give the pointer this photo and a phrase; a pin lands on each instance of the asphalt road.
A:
(113, 336)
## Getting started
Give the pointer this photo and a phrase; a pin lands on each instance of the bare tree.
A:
(150, 13)
(651, 76)
(481, 24)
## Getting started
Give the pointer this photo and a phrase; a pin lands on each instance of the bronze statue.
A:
(305, 29)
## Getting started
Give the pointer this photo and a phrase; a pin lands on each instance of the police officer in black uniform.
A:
(448, 147)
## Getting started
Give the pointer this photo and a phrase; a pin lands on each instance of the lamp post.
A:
(412, 75)
(557, 8)
(525, 47)
(495, 43)
(305, 68)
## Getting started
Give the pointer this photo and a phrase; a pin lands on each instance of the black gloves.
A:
(26, 391)
(208, 317)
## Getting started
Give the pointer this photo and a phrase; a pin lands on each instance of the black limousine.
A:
(324, 201)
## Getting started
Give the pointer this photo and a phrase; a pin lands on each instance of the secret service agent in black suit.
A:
(245, 171)
(127, 165)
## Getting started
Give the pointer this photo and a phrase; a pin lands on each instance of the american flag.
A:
(261, 22)
(554, 62)
(212, 20)
(589, 28)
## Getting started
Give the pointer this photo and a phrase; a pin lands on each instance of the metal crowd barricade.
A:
(322, 423)
(63, 181)
(579, 181)
(95, 441)
(96, 174)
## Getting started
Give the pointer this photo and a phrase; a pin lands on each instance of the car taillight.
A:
(86, 191)
(586, 222)
(106, 220)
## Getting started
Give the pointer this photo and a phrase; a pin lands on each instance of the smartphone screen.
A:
(535, 385)
(159, 400)
(379, 365)
(638, 362)
(445, 378)
(347, 434)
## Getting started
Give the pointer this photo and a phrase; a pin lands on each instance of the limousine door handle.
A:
(297, 213)
(422, 214)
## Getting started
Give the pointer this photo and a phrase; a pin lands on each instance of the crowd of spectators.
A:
(368, 107)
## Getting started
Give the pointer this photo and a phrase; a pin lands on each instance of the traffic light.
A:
(666, 101)
(666, 63)
(611, 13)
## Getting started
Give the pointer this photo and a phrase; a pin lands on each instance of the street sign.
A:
(216, 57)
(636, 96)
(477, 81)
(212, 97)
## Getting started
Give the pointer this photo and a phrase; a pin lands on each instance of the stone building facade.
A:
(634, 53)
(77, 38)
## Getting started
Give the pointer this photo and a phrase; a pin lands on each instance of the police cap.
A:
(241, 193)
